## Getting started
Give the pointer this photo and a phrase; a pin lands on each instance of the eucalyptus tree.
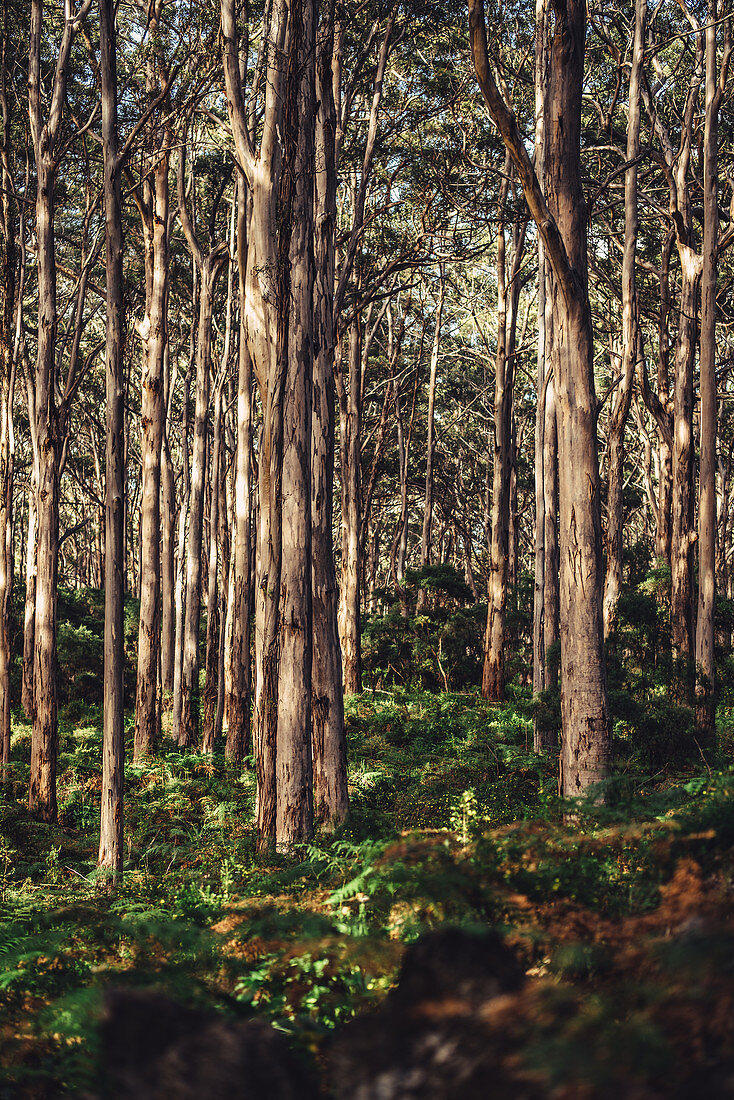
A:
(631, 345)
(209, 265)
(279, 331)
(152, 199)
(49, 147)
(715, 87)
(561, 217)
(8, 266)
(111, 823)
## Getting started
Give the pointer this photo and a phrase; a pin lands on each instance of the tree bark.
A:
(7, 306)
(349, 613)
(211, 662)
(209, 268)
(428, 498)
(110, 856)
(154, 332)
(705, 658)
(630, 336)
(562, 222)
(330, 793)
(294, 810)
(238, 698)
(493, 672)
(44, 133)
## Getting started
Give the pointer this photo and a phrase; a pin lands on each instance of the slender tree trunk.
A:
(428, 499)
(44, 745)
(29, 621)
(189, 729)
(294, 810)
(113, 745)
(330, 794)
(168, 582)
(154, 332)
(238, 697)
(180, 591)
(630, 337)
(683, 531)
(493, 673)
(7, 305)
(546, 591)
(664, 529)
(211, 662)
(705, 660)
(349, 618)
(562, 221)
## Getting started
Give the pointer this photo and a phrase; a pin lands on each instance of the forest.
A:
(366, 549)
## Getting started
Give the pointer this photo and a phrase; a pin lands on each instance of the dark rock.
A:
(432, 1037)
(155, 1049)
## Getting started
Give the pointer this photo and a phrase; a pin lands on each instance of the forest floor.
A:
(624, 919)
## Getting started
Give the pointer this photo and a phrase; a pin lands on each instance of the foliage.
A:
(453, 820)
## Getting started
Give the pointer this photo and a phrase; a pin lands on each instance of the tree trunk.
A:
(238, 697)
(189, 728)
(428, 499)
(113, 744)
(294, 810)
(154, 332)
(493, 672)
(546, 593)
(330, 794)
(664, 527)
(180, 591)
(349, 619)
(168, 582)
(211, 662)
(7, 305)
(29, 621)
(705, 660)
(328, 737)
(681, 600)
(562, 221)
(630, 337)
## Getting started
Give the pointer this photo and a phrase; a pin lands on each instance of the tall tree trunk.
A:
(705, 659)
(428, 498)
(294, 810)
(209, 268)
(7, 305)
(238, 697)
(211, 662)
(44, 746)
(168, 582)
(113, 745)
(180, 589)
(664, 527)
(546, 590)
(330, 794)
(562, 221)
(349, 618)
(154, 333)
(493, 672)
(29, 619)
(681, 603)
(189, 729)
(630, 337)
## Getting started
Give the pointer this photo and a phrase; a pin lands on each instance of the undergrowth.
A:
(453, 820)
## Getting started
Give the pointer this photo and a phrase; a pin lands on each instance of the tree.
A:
(113, 751)
(561, 220)
(48, 150)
